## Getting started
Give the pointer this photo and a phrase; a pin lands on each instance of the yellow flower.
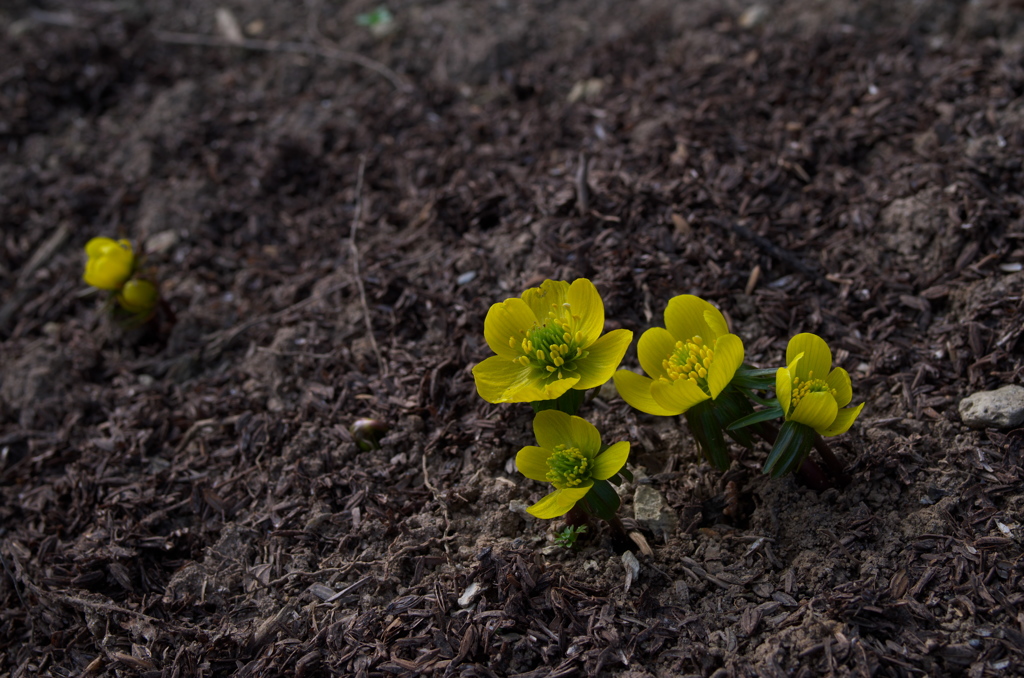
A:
(809, 393)
(138, 297)
(547, 342)
(569, 457)
(110, 263)
(690, 360)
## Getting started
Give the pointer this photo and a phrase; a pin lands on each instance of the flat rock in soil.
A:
(1002, 408)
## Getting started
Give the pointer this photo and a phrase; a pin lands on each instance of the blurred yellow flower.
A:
(568, 455)
(690, 360)
(809, 393)
(138, 297)
(547, 342)
(110, 263)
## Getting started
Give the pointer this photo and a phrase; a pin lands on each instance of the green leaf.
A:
(757, 417)
(746, 371)
(569, 402)
(759, 384)
(731, 405)
(707, 431)
(602, 500)
(790, 450)
(748, 377)
(767, 402)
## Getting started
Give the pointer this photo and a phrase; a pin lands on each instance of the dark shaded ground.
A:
(191, 503)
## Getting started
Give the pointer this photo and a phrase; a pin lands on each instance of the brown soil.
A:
(186, 500)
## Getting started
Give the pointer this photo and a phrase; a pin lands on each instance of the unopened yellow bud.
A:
(110, 263)
(138, 297)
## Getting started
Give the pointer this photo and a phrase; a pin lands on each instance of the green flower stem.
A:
(578, 516)
(832, 463)
(769, 433)
(569, 402)
(811, 475)
(583, 513)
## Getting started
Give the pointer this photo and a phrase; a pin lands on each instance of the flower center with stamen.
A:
(690, 360)
(802, 387)
(553, 348)
(569, 467)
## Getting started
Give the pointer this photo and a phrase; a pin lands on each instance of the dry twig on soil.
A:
(356, 218)
(285, 46)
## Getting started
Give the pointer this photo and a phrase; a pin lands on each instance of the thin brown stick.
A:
(582, 190)
(356, 219)
(326, 52)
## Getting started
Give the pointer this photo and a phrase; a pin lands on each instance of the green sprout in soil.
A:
(567, 537)
(380, 21)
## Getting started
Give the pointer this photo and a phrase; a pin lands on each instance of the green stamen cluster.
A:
(569, 467)
(554, 346)
(810, 385)
(690, 360)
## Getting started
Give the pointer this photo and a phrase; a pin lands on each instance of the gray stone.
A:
(1002, 408)
(651, 511)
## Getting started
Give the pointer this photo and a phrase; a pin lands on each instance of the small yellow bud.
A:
(138, 297)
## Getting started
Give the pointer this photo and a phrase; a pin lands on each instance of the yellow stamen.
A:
(553, 347)
(810, 385)
(689, 360)
(568, 467)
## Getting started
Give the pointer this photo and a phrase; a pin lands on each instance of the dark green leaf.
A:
(757, 372)
(790, 450)
(707, 431)
(602, 500)
(757, 417)
(731, 405)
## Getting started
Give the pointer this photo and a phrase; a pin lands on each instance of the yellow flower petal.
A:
(532, 462)
(585, 303)
(508, 319)
(611, 460)
(844, 420)
(716, 321)
(679, 396)
(109, 263)
(817, 356)
(550, 292)
(497, 377)
(728, 358)
(636, 390)
(784, 386)
(558, 502)
(550, 391)
(684, 318)
(655, 345)
(553, 428)
(839, 379)
(817, 410)
(604, 356)
(499, 380)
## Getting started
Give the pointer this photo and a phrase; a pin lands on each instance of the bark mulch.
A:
(331, 214)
